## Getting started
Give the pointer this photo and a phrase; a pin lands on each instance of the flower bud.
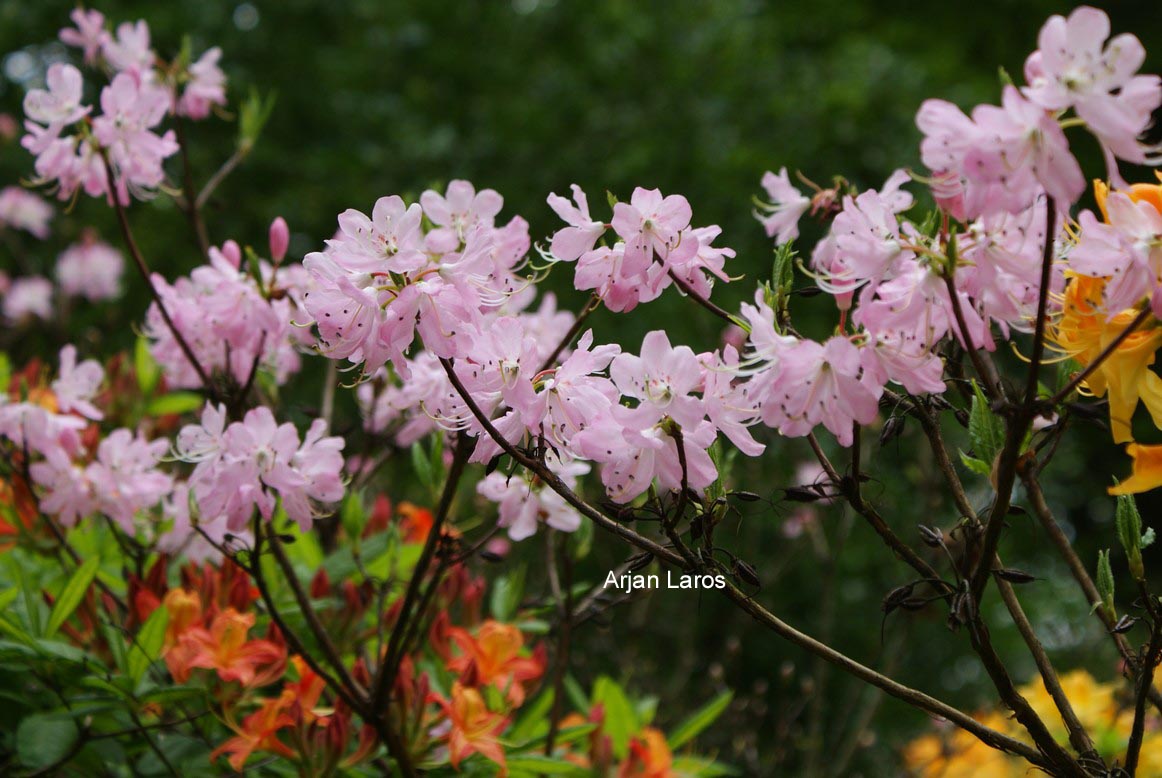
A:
(233, 253)
(279, 239)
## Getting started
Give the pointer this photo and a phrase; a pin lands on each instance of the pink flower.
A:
(205, 88)
(650, 223)
(1127, 251)
(124, 479)
(129, 50)
(780, 217)
(700, 268)
(131, 108)
(390, 241)
(246, 465)
(60, 104)
(457, 212)
(90, 34)
(68, 495)
(28, 297)
(1076, 67)
(569, 243)
(727, 401)
(818, 384)
(91, 269)
(77, 384)
(23, 210)
(575, 396)
(661, 380)
(1004, 155)
(524, 502)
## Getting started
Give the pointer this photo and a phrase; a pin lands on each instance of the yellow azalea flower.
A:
(1083, 332)
(1147, 473)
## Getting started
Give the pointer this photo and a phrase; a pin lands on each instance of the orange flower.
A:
(475, 729)
(649, 757)
(306, 691)
(185, 611)
(414, 522)
(259, 732)
(225, 648)
(493, 657)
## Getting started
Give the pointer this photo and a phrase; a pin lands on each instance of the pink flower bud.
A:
(232, 252)
(279, 239)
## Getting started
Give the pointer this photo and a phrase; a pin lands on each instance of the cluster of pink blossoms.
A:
(246, 465)
(650, 418)
(234, 322)
(70, 140)
(119, 481)
(656, 246)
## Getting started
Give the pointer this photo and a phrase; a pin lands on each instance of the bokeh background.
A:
(698, 97)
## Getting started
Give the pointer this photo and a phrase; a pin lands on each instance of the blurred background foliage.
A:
(700, 98)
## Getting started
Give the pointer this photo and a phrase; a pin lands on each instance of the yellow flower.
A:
(1147, 473)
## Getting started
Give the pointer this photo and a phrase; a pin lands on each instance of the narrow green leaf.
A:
(621, 723)
(147, 646)
(985, 428)
(175, 403)
(146, 367)
(977, 466)
(699, 720)
(71, 596)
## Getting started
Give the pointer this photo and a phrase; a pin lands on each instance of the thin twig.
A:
(591, 306)
(192, 207)
(143, 269)
(1105, 354)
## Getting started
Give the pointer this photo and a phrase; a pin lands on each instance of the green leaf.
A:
(423, 467)
(698, 767)
(545, 765)
(699, 720)
(985, 428)
(5, 371)
(71, 595)
(352, 515)
(252, 117)
(507, 593)
(1129, 525)
(621, 722)
(175, 403)
(45, 739)
(146, 367)
(533, 719)
(1105, 583)
(977, 466)
(147, 646)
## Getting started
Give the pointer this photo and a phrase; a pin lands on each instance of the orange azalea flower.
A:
(649, 757)
(493, 657)
(414, 522)
(306, 691)
(19, 505)
(225, 648)
(259, 732)
(475, 729)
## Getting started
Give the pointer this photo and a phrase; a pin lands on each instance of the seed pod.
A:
(801, 494)
(1124, 624)
(893, 428)
(932, 537)
(1012, 575)
(746, 573)
(746, 496)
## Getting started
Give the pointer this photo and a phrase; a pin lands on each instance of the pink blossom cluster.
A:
(120, 481)
(234, 323)
(382, 278)
(71, 141)
(23, 210)
(252, 464)
(90, 269)
(25, 298)
(656, 244)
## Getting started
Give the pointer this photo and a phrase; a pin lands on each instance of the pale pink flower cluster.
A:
(656, 244)
(382, 279)
(24, 298)
(90, 269)
(254, 463)
(524, 502)
(234, 323)
(69, 139)
(123, 478)
(23, 210)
